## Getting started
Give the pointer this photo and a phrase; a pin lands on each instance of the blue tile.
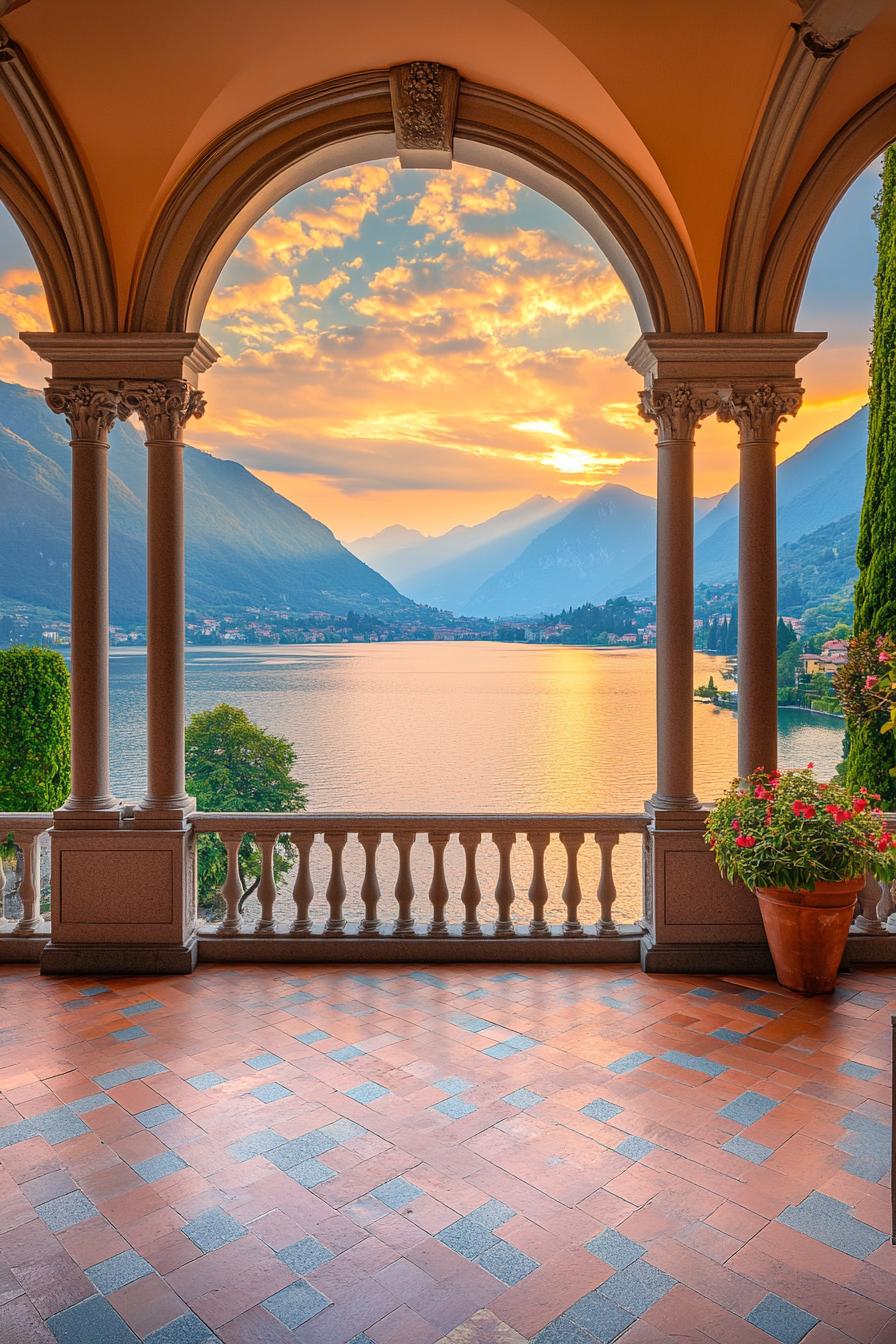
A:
(341, 1131)
(58, 1125)
(157, 1115)
(523, 1098)
(129, 1034)
(492, 1214)
(118, 1271)
(701, 993)
(150, 1068)
(454, 1107)
(296, 1304)
(16, 1133)
(506, 1263)
(476, 994)
(269, 1092)
(129, 1074)
(469, 1023)
(186, 1329)
(509, 975)
(635, 1148)
(289, 1155)
(94, 990)
(351, 1009)
(637, 1287)
(305, 1255)
(615, 1249)
(756, 1153)
(729, 1035)
(602, 1319)
(760, 1011)
(92, 1320)
(863, 1071)
(312, 1037)
(212, 1229)
(310, 1173)
(397, 1193)
(138, 1009)
(696, 1063)
(453, 1086)
(521, 1042)
(467, 1237)
(156, 1168)
(203, 1081)
(66, 1211)
(300, 996)
(345, 1053)
(361, 1339)
(425, 978)
(255, 1144)
(782, 1320)
(748, 1108)
(92, 1103)
(563, 1331)
(629, 1062)
(832, 1223)
(600, 1109)
(500, 1051)
(367, 1093)
(263, 1061)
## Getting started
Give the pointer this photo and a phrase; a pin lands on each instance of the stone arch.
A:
(344, 121)
(46, 242)
(858, 143)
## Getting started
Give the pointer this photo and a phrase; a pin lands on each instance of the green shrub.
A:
(35, 727)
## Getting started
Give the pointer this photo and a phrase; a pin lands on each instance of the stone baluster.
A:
(335, 925)
(303, 887)
(758, 410)
(370, 887)
(232, 890)
(572, 842)
(886, 908)
(404, 885)
(438, 887)
(267, 885)
(606, 887)
(470, 893)
(538, 887)
(504, 892)
(29, 887)
(867, 918)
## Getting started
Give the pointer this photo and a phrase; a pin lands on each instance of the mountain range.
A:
(546, 555)
(245, 544)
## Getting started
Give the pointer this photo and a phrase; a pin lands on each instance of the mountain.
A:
(245, 544)
(445, 571)
(577, 559)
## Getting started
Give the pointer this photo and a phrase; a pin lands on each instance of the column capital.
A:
(91, 409)
(758, 409)
(676, 409)
(163, 406)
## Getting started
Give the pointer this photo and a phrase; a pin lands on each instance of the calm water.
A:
(461, 727)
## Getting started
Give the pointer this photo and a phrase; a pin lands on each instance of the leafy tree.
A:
(786, 635)
(235, 766)
(871, 754)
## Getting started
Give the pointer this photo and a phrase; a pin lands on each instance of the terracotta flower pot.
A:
(807, 932)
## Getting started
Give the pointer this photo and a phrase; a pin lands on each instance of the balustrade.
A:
(26, 830)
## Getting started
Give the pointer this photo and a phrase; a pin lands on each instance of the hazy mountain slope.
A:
(246, 545)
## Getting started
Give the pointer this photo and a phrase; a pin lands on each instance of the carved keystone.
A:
(424, 107)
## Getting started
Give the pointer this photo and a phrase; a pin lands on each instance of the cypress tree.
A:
(872, 755)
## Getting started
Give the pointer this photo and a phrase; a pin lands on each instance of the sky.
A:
(428, 348)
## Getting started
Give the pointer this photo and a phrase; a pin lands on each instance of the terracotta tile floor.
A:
(403, 1156)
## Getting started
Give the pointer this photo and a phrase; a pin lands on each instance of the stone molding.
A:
(90, 410)
(677, 410)
(424, 107)
(758, 411)
(163, 407)
(46, 241)
(67, 184)
(142, 356)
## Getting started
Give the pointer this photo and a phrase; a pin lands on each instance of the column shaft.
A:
(757, 609)
(675, 624)
(165, 626)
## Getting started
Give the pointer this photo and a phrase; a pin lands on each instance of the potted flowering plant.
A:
(804, 847)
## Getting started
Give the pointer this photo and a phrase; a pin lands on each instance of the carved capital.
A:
(822, 48)
(163, 407)
(676, 411)
(758, 411)
(424, 108)
(91, 410)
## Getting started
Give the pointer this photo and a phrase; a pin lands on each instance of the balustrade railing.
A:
(421, 907)
(22, 870)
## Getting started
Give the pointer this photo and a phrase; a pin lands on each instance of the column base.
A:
(81, 816)
(705, 958)
(166, 814)
(123, 959)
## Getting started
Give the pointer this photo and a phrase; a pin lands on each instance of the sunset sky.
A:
(428, 348)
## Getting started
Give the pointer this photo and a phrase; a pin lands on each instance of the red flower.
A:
(735, 825)
(871, 681)
(760, 792)
(859, 804)
(805, 810)
(745, 841)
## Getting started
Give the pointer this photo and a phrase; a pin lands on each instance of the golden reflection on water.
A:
(463, 728)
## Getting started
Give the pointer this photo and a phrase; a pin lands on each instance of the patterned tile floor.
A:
(259, 1155)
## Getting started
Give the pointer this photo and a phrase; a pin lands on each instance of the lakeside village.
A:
(807, 662)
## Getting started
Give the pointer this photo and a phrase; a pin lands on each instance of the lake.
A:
(467, 727)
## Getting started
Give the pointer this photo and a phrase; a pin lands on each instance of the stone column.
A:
(758, 410)
(90, 411)
(164, 408)
(676, 411)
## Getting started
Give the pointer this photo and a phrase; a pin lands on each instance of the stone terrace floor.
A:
(404, 1156)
